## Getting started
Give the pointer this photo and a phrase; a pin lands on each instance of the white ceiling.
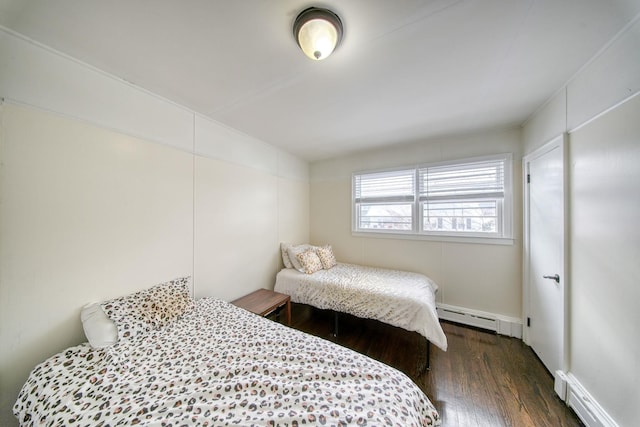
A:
(407, 70)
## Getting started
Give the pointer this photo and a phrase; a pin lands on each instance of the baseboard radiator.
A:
(583, 404)
(502, 325)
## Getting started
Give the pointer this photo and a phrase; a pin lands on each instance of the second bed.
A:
(399, 298)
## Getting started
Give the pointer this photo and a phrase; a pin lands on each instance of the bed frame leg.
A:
(427, 362)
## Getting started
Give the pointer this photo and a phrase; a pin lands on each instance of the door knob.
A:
(554, 277)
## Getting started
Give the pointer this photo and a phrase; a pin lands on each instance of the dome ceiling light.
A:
(318, 32)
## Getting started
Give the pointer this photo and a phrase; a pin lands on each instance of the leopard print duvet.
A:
(220, 366)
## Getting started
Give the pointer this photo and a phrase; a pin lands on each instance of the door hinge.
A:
(528, 178)
(528, 322)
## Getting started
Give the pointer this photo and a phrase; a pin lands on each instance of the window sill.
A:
(450, 239)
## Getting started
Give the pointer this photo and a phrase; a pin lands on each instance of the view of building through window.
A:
(386, 217)
(476, 217)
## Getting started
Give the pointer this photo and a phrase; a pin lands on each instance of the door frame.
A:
(560, 142)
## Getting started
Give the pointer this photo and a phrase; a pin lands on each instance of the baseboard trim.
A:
(585, 406)
(503, 325)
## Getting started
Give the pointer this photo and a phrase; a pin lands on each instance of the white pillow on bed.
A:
(284, 247)
(98, 328)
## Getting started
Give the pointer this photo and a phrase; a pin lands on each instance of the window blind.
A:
(479, 179)
(385, 187)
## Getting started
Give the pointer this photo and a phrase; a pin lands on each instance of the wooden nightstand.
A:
(265, 302)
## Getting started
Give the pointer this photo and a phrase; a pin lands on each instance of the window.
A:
(384, 200)
(468, 198)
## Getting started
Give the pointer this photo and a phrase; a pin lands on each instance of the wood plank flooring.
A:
(483, 379)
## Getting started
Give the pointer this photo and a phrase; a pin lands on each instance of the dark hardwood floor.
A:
(483, 379)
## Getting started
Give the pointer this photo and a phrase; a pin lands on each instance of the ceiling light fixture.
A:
(317, 32)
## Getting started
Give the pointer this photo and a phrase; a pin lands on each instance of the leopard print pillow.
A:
(309, 261)
(129, 314)
(325, 253)
(149, 309)
(169, 301)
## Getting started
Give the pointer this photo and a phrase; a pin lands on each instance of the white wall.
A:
(482, 277)
(600, 108)
(249, 196)
(106, 189)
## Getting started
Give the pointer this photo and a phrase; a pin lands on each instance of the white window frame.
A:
(398, 199)
(503, 235)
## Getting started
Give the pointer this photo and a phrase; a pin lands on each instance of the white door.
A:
(545, 215)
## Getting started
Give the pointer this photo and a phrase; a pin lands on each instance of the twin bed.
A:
(158, 357)
(399, 298)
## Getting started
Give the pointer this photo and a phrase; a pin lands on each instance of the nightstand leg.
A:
(288, 308)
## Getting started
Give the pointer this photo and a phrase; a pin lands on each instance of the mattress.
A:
(220, 365)
(399, 298)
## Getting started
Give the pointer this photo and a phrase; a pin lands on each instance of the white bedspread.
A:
(399, 298)
(220, 366)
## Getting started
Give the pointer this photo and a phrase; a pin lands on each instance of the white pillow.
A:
(284, 247)
(98, 328)
(293, 251)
